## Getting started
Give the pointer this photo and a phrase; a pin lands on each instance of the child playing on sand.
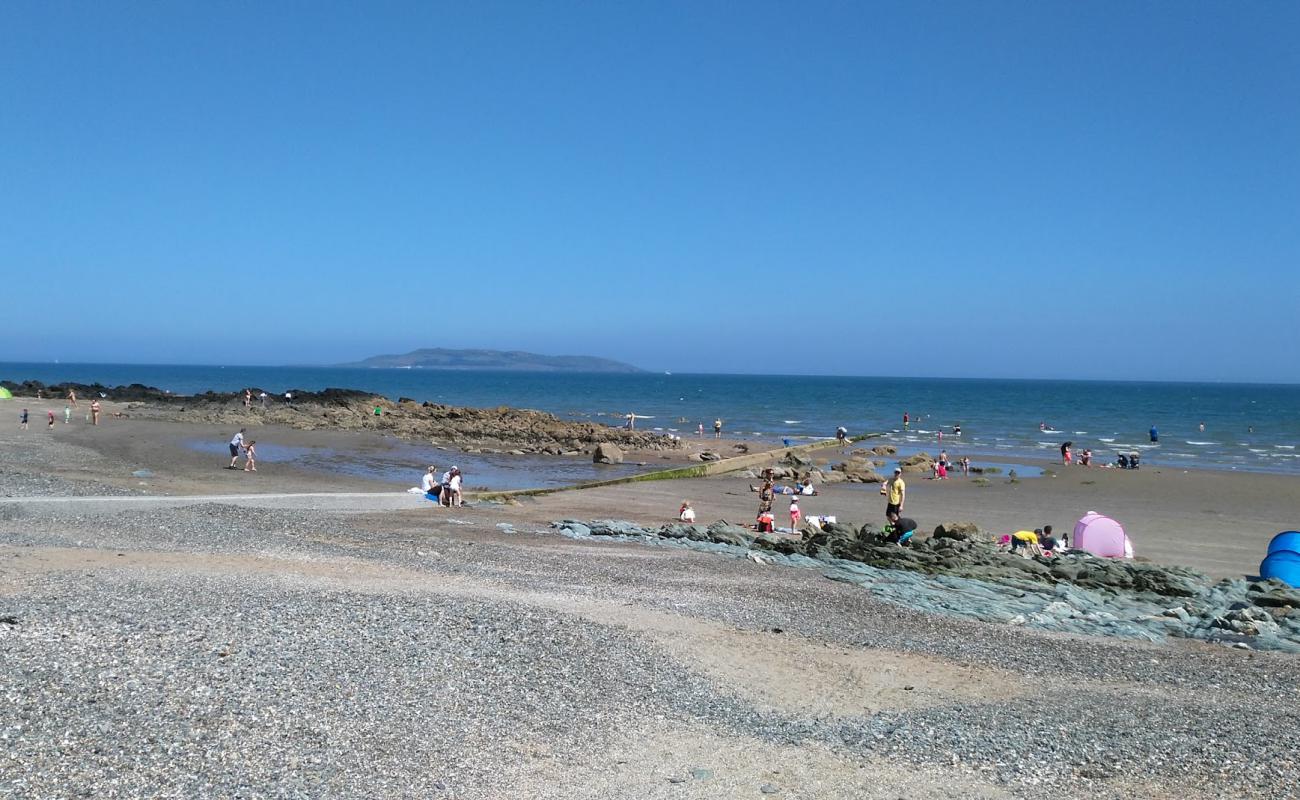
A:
(250, 456)
(795, 515)
(22, 420)
(67, 414)
(453, 487)
(51, 413)
(686, 513)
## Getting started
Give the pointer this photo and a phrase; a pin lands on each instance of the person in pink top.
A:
(795, 514)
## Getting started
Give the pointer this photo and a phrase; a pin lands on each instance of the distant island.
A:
(440, 358)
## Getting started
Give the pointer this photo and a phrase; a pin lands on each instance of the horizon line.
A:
(1220, 381)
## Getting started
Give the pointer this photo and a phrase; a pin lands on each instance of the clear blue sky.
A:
(1091, 190)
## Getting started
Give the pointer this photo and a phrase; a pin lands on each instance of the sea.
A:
(1247, 427)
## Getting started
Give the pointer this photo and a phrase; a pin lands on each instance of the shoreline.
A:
(1214, 521)
(1273, 452)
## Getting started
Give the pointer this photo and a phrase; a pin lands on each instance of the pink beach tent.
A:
(1101, 536)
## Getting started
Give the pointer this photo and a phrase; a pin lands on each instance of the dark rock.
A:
(709, 455)
(960, 531)
(1276, 599)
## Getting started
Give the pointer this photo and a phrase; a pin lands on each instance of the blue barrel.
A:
(1286, 540)
(1283, 565)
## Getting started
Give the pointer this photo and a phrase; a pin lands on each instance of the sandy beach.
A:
(241, 648)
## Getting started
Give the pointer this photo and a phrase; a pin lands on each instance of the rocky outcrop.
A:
(487, 429)
(1075, 592)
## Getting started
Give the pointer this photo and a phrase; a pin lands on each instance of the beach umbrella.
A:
(5, 394)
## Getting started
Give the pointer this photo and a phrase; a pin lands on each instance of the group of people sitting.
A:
(445, 491)
(1038, 542)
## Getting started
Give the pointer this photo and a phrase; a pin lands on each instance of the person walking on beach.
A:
(250, 456)
(72, 397)
(700, 432)
(965, 466)
(51, 425)
(1065, 453)
(717, 428)
(22, 420)
(236, 445)
(94, 412)
(895, 491)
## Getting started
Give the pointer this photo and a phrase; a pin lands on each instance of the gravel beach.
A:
(221, 650)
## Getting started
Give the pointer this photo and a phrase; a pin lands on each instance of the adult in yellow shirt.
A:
(895, 491)
(1027, 540)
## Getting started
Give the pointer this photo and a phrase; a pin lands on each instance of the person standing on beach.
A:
(236, 444)
(94, 412)
(250, 456)
(717, 428)
(765, 497)
(51, 425)
(67, 414)
(1065, 453)
(1155, 437)
(454, 488)
(72, 397)
(907, 420)
(248, 399)
(701, 430)
(895, 491)
(22, 420)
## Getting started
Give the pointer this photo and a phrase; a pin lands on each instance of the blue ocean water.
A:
(1247, 426)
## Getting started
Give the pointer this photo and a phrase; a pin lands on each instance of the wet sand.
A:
(1218, 522)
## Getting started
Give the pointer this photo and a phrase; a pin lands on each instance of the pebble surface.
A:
(194, 680)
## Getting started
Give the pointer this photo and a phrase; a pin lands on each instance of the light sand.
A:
(1218, 522)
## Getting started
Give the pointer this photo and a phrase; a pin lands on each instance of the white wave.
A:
(1080, 433)
(1285, 446)
(1106, 440)
(1200, 444)
(1256, 450)
(792, 421)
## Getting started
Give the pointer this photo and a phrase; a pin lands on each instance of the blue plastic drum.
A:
(1286, 540)
(1283, 565)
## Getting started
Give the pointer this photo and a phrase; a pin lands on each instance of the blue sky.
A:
(1088, 190)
